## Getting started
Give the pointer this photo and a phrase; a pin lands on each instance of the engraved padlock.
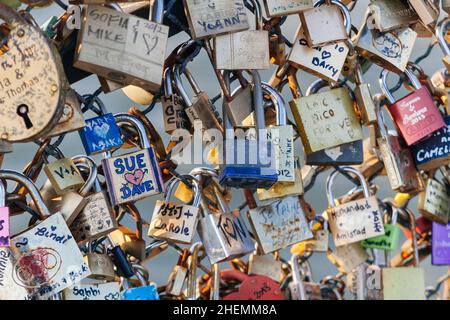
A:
(100, 264)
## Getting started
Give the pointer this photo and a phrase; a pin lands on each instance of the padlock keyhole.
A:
(22, 111)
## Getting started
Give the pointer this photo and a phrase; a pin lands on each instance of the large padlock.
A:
(101, 134)
(136, 175)
(223, 234)
(398, 162)
(329, 16)
(434, 201)
(96, 218)
(122, 47)
(440, 244)
(93, 291)
(47, 258)
(32, 84)
(176, 222)
(100, 264)
(416, 116)
(326, 120)
(4, 218)
(390, 50)
(356, 220)
(280, 8)
(249, 157)
(388, 15)
(245, 49)
(223, 16)
(252, 287)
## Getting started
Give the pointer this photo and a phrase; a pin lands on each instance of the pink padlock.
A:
(4, 218)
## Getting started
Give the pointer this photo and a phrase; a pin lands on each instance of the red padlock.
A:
(416, 116)
(253, 287)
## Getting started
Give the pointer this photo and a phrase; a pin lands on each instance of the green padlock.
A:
(389, 241)
(12, 3)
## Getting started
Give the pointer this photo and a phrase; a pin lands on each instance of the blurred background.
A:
(201, 68)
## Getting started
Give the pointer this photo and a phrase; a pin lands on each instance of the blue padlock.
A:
(252, 171)
(101, 133)
(146, 291)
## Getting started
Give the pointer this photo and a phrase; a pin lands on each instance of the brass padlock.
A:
(100, 264)
(64, 175)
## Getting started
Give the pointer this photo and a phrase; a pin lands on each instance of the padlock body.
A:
(348, 257)
(101, 266)
(279, 8)
(173, 114)
(434, 202)
(428, 11)
(64, 175)
(392, 14)
(101, 134)
(141, 293)
(388, 242)
(433, 152)
(440, 244)
(133, 176)
(176, 281)
(174, 222)
(416, 116)
(204, 111)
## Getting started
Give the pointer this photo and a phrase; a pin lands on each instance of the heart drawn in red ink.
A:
(135, 178)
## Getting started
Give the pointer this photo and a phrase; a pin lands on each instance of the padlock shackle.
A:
(296, 277)
(330, 181)
(441, 29)
(192, 272)
(156, 13)
(42, 209)
(10, 16)
(278, 102)
(344, 10)
(89, 163)
(2, 194)
(177, 70)
(385, 89)
(137, 124)
(168, 89)
(175, 181)
(223, 205)
(394, 215)
(258, 101)
(258, 14)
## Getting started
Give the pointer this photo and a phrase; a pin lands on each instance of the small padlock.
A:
(244, 50)
(100, 264)
(329, 16)
(440, 248)
(136, 175)
(280, 8)
(365, 215)
(146, 291)
(434, 201)
(63, 175)
(176, 222)
(363, 97)
(416, 116)
(223, 16)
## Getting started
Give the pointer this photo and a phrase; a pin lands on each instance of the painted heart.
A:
(326, 54)
(135, 178)
(102, 131)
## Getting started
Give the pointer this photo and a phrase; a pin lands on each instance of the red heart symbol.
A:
(135, 178)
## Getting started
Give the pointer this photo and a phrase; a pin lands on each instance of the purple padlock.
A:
(440, 246)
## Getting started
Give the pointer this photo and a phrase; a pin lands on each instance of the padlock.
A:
(388, 15)
(441, 30)
(96, 218)
(363, 97)
(223, 234)
(440, 248)
(200, 107)
(280, 8)
(391, 50)
(71, 118)
(93, 291)
(178, 276)
(390, 240)
(72, 202)
(47, 258)
(427, 10)
(33, 81)
(249, 156)
(4, 218)
(223, 16)
(100, 264)
(434, 201)
(134, 54)
(176, 222)
(329, 16)
(325, 62)
(405, 283)
(131, 241)
(174, 115)
(136, 175)
(63, 175)
(252, 287)
(287, 223)
(398, 162)
(364, 214)
(245, 49)
(348, 257)
(265, 265)
(416, 116)
(147, 291)
(101, 134)
(326, 120)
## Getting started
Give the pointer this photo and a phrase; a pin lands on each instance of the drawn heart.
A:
(102, 131)
(135, 178)
(325, 54)
(229, 228)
